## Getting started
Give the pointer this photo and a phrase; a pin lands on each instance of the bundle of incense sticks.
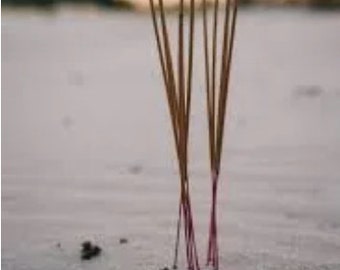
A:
(178, 91)
(178, 86)
(217, 94)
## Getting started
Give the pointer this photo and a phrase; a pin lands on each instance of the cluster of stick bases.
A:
(178, 88)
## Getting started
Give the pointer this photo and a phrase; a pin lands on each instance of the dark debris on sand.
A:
(123, 241)
(89, 250)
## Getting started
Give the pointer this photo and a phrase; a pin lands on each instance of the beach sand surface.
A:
(88, 153)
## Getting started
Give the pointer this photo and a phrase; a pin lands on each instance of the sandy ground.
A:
(87, 151)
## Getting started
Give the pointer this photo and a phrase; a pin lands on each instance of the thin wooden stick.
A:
(213, 72)
(180, 87)
(224, 50)
(207, 79)
(171, 104)
(168, 57)
(190, 63)
(222, 109)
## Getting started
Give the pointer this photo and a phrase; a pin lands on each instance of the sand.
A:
(87, 152)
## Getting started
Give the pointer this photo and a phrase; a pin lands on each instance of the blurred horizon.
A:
(170, 4)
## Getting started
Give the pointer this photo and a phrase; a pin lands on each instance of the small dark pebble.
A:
(165, 268)
(89, 251)
(87, 245)
(123, 241)
(58, 245)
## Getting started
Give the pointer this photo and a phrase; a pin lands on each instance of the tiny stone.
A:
(89, 251)
(87, 245)
(123, 241)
